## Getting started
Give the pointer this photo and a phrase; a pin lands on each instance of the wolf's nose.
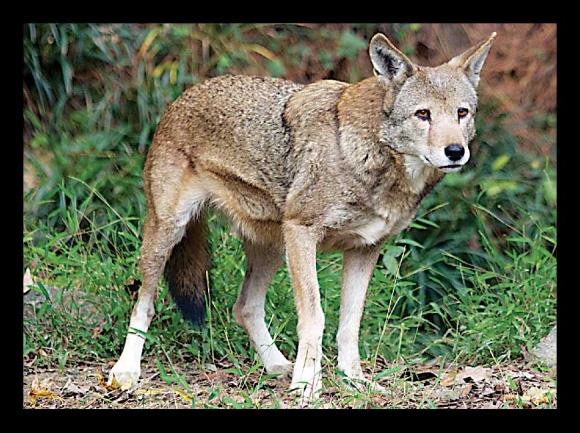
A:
(454, 152)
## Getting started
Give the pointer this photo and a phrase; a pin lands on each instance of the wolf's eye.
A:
(423, 114)
(462, 112)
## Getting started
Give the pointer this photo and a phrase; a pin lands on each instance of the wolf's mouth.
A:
(450, 168)
(445, 168)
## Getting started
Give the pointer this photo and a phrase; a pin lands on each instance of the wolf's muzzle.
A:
(454, 152)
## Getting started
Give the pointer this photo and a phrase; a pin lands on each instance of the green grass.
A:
(504, 305)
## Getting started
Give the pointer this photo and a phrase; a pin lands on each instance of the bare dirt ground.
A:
(218, 386)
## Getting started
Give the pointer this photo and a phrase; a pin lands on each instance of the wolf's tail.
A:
(187, 269)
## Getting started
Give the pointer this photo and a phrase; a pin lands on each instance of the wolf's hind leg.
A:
(175, 200)
(262, 262)
(154, 253)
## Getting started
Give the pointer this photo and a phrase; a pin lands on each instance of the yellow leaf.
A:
(149, 392)
(39, 391)
(533, 396)
(536, 396)
(173, 73)
(448, 379)
(184, 396)
(500, 162)
(148, 41)
(103, 383)
(261, 50)
(126, 386)
(445, 382)
(510, 397)
(159, 70)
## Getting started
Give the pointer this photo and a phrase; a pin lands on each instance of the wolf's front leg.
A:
(358, 265)
(301, 244)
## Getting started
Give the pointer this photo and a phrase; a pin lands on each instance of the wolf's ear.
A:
(390, 65)
(471, 61)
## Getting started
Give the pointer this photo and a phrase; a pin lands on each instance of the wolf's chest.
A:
(373, 230)
(367, 229)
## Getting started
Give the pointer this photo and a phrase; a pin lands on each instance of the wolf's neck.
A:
(419, 174)
(360, 117)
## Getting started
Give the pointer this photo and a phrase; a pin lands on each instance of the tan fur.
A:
(298, 168)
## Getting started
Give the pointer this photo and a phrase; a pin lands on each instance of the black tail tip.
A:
(192, 311)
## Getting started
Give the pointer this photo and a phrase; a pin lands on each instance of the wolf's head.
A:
(429, 112)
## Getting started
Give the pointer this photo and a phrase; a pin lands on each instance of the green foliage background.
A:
(473, 278)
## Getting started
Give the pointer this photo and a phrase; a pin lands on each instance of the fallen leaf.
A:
(149, 392)
(39, 391)
(533, 396)
(448, 378)
(72, 388)
(492, 405)
(445, 394)
(126, 386)
(448, 381)
(97, 331)
(488, 390)
(103, 383)
(184, 396)
(466, 390)
(527, 375)
(475, 374)
(537, 396)
(219, 375)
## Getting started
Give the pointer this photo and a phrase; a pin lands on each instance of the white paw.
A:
(283, 370)
(355, 378)
(307, 385)
(125, 374)
(362, 384)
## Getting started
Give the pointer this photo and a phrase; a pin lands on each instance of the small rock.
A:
(546, 350)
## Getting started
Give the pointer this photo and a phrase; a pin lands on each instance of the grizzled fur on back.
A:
(243, 119)
(255, 140)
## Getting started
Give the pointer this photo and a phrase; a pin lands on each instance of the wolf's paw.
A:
(356, 379)
(305, 393)
(125, 374)
(307, 387)
(284, 370)
(362, 384)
